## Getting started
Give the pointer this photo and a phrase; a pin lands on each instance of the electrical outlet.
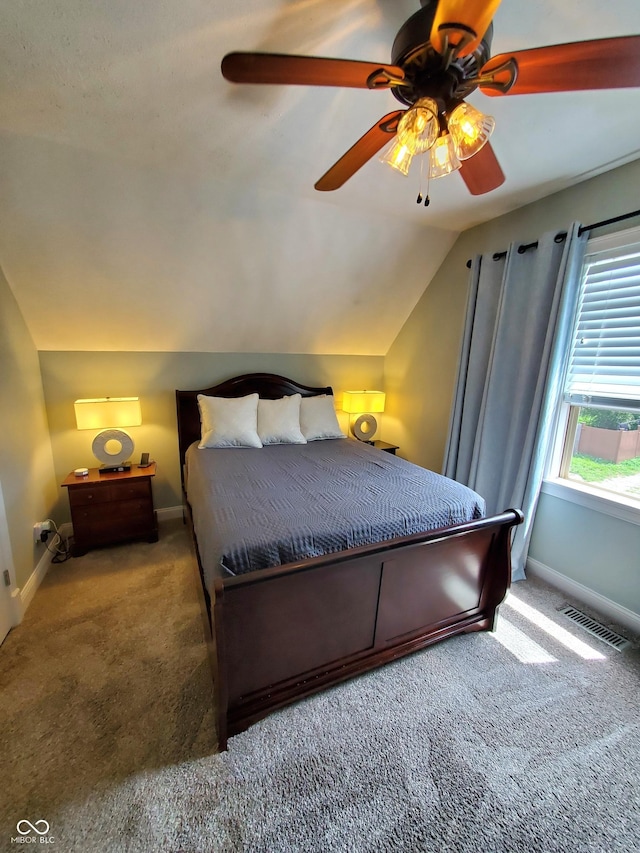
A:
(41, 531)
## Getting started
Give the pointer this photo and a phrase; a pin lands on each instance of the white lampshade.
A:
(106, 412)
(358, 402)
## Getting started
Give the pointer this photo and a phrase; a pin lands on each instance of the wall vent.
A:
(596, 629)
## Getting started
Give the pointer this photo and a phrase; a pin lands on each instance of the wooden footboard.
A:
(283, 633)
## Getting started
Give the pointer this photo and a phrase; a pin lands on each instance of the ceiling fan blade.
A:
(363, 150)
(461, 24)
(308, 71)
(612, 63)
(482, 172)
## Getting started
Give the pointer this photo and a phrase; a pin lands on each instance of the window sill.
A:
(626, 509)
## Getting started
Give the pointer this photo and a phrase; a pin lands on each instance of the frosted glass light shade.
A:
(398, 157)
(359, 402)
(443, 158)
(108, 412)
(419, 127)
(470, 130)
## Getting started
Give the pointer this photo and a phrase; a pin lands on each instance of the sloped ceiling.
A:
(147, 204)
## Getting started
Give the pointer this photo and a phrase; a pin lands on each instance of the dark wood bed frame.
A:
(280, 634)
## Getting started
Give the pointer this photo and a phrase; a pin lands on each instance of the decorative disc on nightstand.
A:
(364, 427)
(123, 440)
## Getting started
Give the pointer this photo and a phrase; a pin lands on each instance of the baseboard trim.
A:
(168, 513)
(615, 612)
(23, 597)
(37, 576)
(17, 610)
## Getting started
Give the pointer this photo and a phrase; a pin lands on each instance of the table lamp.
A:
(112, 446)
(363, 405)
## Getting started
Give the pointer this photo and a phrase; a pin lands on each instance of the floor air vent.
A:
(596, 629)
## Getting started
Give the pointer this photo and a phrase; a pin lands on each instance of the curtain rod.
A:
(604, 222)
(562, 235)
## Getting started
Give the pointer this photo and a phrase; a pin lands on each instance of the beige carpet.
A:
(493, 743)
(105, 680)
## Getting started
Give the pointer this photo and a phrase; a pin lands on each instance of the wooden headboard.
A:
(269, 386)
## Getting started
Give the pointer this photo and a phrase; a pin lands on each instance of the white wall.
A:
(26, 461)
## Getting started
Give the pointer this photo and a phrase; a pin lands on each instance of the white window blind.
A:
(604, 367)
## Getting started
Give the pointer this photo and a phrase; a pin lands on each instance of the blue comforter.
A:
(256, 508)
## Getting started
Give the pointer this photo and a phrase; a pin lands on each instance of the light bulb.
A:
(442, 157)
(418, 128)
(470, 129)
(397, 156)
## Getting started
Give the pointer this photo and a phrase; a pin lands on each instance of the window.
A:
(601, 434)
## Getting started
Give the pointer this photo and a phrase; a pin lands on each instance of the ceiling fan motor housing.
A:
(426, 71)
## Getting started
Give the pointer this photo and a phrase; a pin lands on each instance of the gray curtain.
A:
(519, 320)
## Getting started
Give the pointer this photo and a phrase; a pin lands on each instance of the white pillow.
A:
(318, 418)
(229, 421)
(279, 421)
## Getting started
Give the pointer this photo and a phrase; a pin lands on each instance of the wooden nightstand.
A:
(111, 508)
(383, 445)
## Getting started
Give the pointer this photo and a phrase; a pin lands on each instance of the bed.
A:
(320, 561)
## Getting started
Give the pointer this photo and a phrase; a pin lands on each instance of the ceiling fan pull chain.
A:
(420, 198)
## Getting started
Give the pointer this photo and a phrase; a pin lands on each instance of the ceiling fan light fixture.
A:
(443, 158)
(470, 130)
(419, 127)
(397, 156)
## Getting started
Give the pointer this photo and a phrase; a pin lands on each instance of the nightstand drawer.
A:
(96, 530)
(127, 490)
(88, 495)
(114, 513)
(109, 492)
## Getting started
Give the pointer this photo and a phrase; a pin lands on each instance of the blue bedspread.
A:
(255, 508)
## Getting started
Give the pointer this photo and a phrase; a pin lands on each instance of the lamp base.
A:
(364, 427)
(113, 447)
(114, 469)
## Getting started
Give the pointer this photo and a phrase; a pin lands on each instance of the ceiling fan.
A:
(440, 55)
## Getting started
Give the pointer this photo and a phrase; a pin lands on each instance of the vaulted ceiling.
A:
(148, 204)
